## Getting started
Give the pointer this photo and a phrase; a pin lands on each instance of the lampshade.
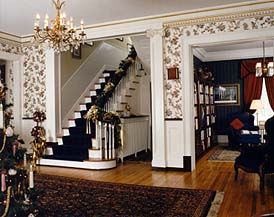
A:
(256, 104)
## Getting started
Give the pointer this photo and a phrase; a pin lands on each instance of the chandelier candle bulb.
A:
(25, 160)
(31, 181)
(82, 25)
(46, 22)
(71, 23)
(14, 149)
(3, 181)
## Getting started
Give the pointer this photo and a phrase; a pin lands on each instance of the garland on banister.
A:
(96, 111)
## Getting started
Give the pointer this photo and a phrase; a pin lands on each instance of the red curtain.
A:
(269, 83)
(252, 84)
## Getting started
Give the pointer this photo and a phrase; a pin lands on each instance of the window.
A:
(266, 112)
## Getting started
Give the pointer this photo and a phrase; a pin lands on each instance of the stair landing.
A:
(87, 164)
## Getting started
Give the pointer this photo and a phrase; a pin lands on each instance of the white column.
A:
(52, 95)
(157, 92)
(188, 103)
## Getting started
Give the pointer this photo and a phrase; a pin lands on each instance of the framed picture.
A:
(227, 94)
(77, 53)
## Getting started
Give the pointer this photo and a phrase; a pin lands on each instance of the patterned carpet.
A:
(74, 197)
(224, 155)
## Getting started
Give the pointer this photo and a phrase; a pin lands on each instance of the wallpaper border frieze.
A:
(221, 17)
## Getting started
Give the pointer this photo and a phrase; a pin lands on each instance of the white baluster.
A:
(100, 139)
(112, 142)
(109, 142)
(106, 140)
(97, 134)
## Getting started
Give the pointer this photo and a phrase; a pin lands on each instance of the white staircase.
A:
(102, 154)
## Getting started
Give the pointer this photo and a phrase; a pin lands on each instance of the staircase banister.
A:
(97, 112)
(106, 94)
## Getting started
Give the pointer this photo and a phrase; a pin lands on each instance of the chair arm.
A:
(253, 128)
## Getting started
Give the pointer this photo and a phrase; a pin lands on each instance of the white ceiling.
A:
(237, 46)
(17, 16)
(234, 50)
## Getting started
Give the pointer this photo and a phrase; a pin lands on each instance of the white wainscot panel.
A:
(135, 135)
(174, 144)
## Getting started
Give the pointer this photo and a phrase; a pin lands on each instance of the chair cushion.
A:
(237, 124)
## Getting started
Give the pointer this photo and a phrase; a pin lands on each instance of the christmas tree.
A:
(17, 196)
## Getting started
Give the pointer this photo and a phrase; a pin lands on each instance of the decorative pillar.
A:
(157, 96)
(52, 123)
(188, 103)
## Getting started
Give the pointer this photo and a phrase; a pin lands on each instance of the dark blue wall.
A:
(226, 72)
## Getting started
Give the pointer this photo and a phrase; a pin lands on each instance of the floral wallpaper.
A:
(13, 48)
(10, 84)
(172, 51)
(33, 78)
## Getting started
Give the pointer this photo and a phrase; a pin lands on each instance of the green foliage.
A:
(16, 199)
(96, 112)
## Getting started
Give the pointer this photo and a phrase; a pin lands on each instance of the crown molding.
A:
(160, 19)
(249, 53)
(184, 13)
(7, 37)
(219, 18)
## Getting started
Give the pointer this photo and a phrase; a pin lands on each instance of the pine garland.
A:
(96, 112)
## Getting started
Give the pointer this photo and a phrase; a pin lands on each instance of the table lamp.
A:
(256, 104)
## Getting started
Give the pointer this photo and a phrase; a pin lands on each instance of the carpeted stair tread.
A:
(51, 144)
(81, 122)
(83, 113)
(70, 152)
(77, 130)
(78, 140)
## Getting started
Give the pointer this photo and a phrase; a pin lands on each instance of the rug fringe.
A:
(216, 204)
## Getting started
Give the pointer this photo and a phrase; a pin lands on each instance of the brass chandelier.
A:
(262, 68)
(61, 35)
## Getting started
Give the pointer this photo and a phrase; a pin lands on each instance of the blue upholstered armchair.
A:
(241, 130)
(258, 159)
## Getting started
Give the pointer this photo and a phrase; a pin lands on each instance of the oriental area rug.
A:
(224, 155)
(62, 196)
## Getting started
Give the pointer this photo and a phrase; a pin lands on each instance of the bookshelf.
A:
(204, 112)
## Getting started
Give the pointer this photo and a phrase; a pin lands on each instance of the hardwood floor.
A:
(242, 198)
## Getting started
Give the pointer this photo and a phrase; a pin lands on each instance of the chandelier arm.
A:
(60, 36)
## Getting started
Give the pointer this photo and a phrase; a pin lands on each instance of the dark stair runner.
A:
(75, 146)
